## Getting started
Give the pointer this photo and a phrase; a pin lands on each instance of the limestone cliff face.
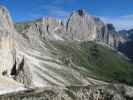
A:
(10, 58)
(7, 43)
(112, 36)
(5, 19)
(82, 26)
(46, 28)
(51, 26)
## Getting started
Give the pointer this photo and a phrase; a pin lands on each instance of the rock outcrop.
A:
(5, 19)
(106, 92)
(112, 37)
(10, 58)
(82, 26)
(47, 28)
(7, 43)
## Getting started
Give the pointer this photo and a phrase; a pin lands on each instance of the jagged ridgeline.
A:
(48, 52)
(85, 48)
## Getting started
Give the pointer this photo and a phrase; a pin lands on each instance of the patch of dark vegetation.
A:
(127, 49)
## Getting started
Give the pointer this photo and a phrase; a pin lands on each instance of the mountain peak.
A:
(81, 12)
(5, 19)
(110, 26)
(3, 8)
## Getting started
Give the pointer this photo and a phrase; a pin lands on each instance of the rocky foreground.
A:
(105, 92)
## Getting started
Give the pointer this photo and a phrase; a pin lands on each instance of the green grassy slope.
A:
(104, 63)
(100, 61)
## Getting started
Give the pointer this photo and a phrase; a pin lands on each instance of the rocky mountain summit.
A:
(5, 19)
(48, 52)
(85, 27)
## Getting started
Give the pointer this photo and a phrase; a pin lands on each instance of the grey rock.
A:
(7, 44)
(113, 38)
(107, 92)
(5, 19)
(84, 27)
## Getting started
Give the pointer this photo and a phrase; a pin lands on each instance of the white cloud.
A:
(120, 22)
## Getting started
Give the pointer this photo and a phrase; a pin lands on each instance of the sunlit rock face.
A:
(7, 43)
(5, 19)
(83, 26)
(52, 27)
(46, 28)
(10, 60)
(112, 36)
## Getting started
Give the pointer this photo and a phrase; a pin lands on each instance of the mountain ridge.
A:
(87, 28)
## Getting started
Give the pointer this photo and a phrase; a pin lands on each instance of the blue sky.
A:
(118, 12)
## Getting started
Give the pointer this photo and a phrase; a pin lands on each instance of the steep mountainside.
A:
(127, 34)
(127, 47)
(49, 53)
